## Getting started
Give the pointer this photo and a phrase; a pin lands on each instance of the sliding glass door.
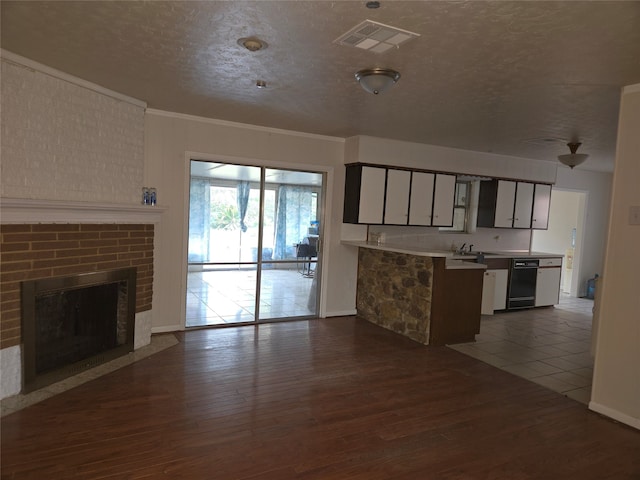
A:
(254, 234)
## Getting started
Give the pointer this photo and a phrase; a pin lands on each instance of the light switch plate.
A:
(634, 215)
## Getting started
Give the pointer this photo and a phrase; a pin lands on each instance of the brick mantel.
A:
(24, 210)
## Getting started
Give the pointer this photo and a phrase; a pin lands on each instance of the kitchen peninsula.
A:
(423, 294)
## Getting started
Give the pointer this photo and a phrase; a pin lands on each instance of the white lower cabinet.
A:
(488, 292)
(494, 291)
(500, 292)
(548, 282)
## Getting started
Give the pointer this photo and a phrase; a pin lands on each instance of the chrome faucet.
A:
(461, 249)
(470, 248)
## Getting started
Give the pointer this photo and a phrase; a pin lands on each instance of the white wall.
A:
(616, 379)
(171, 140)
(70, 140)
(64, 139)
(432, 157)
(483, 239)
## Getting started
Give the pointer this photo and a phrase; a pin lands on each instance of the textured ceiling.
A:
(518, 78)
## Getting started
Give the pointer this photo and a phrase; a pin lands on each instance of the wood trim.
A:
(454, 320)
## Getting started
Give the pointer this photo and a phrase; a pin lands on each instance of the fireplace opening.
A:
(71, 324)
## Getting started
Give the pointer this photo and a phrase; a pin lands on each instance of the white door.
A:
(541, 203)
(421, 203)
(396, 211)
(500, 294)
(504, 203)
(548, 286)
(443, 200)
(524, 205)
(372, 195)
(488, 292)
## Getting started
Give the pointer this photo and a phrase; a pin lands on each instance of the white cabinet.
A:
(392, 196)
(488, 292)
(494, 290)
(505, 199)
(510, 204)
(364, 194)
(541, 203)
(523, 206)
(396, 210)
(548, 282)
(443, 200)
(500, 290)
(421, 203)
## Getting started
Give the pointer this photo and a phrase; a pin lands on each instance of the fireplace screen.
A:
(74, 323)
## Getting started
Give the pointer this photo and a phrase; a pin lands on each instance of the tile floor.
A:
(219, 297)
(550, 346)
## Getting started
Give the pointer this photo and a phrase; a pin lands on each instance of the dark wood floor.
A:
(325, 399)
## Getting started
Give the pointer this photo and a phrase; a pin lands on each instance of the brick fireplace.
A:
(29, 252)
(83, 239)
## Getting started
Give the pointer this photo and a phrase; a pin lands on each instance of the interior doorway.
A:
(254, 244)
(564, 236)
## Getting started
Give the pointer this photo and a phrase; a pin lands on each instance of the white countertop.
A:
(398, 248)
(454, 260)
(451, 262)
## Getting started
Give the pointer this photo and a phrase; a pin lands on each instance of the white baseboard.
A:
(615, 415)
(343, 313)
(167, 329)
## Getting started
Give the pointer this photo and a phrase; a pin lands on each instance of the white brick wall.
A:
(61, 141)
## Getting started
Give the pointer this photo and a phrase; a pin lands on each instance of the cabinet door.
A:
(541, 203)
(548, 287)
(488, 292)
(421, 203)
(443, 200)
(396, 210)
(500, 292)
(372, 191)
(524, 205)
(505, 201)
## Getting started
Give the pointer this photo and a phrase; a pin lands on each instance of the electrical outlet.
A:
(634, 215)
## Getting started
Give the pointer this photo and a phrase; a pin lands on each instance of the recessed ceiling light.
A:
(253, 44)
(261, 84)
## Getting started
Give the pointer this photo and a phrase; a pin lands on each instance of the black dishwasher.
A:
(522, 283)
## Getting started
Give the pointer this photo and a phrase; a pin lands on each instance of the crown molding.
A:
(246, 126)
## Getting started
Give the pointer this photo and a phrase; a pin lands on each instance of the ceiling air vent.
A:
(375, 37)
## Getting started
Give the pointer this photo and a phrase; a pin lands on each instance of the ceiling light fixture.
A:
(261, 84)
(572, 159)
(377, 80)
(253, 44)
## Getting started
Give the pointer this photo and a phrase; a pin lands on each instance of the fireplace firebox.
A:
(73, 323)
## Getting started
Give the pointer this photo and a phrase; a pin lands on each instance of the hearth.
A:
(73, 323)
